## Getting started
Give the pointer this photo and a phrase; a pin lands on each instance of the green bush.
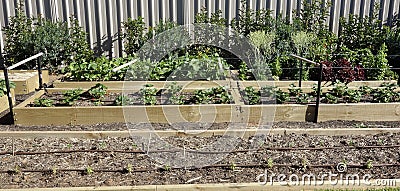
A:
(361, 33)
(249, 20)
(377, 67)
(134, 35)
(25, 37)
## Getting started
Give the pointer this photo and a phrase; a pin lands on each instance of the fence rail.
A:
(102, 18)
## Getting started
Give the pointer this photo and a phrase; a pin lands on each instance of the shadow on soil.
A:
(6, 118)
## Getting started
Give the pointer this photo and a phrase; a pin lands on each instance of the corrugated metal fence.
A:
(102, 18)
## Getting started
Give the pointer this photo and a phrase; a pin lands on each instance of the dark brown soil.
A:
(235, 167)
(288, 125)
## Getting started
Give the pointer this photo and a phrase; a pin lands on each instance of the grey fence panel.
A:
(102, 19)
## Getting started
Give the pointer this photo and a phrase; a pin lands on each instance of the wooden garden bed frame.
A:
(236, 113)
(342, 185)
(26, 86)
(4, 101)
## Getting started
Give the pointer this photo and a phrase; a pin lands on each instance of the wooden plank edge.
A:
(30, 99)
(200, 133)
(231, 186)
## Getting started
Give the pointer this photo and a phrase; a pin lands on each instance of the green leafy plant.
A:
(339, 89)
(3, 88)
(99, 69)
(148, 94)
(385, 94)
(123, 100)
(202, 67)
(315, 90)
(96, 93)
(312, 16)
(360, 125)
(79, 48)
(89, 170)
(167, 167)
(233, 166)
(251, 96)
(303, 98)
(214, 95)
(369, 164)
(365, 90)
(129, 168)
(270, 163)
(295, 91)
(243, 71)
(281, 96)
(43, 102)
(352, 96)
(71, 96)
(173, 94)
(265, 44)
(329, 98)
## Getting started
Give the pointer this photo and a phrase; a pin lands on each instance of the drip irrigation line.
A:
(167, 168)
(199, 152)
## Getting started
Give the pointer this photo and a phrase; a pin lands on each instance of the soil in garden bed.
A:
(107, 162)
(287, 125)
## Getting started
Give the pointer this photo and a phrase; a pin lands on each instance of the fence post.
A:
(316, 111)
(10, 101)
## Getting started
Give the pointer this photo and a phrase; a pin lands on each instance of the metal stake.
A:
(39, 65)
(10, 101)
(318, 94)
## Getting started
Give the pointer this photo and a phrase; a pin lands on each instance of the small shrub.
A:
(377, 67)
(341, 70)
(134, 35)
(26, 36)
(249, 20)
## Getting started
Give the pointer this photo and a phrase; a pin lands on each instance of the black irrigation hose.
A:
(200, 152)
(167, 168)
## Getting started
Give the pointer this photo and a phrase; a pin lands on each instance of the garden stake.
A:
(300, 72)
(10, 103)
(39, 65)
(318, 94)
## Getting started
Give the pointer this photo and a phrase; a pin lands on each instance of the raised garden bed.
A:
(4, 101)
(115, 161)
(91, 110)
(26, 81)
